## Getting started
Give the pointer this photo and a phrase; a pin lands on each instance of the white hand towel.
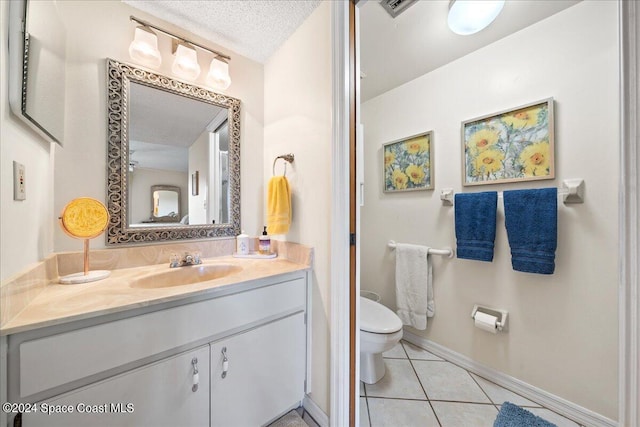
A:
(414, 288)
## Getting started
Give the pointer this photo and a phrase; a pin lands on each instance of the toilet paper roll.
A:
(486, 322)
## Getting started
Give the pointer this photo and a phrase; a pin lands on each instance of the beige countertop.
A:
(57, 304)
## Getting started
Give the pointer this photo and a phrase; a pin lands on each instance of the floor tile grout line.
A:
(465, 402)
(439, 359)
(398, 398)
(483, 390)
(404, 349)
(419, 360)
(511, 391)
(366, 402)
(422, 386)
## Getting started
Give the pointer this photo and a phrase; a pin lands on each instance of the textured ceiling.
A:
(252, 28)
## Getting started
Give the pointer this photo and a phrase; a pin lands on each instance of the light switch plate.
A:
(19, 181)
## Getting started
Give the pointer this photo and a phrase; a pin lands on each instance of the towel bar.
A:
(571, 190)
(446, 251)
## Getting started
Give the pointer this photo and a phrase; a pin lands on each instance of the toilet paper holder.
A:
(502, 315)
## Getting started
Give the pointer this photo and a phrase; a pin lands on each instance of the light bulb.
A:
(218, 75)
(186, 63)
(144, 47)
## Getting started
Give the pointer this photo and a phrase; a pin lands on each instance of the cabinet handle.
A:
(196, 375)
(225, 362)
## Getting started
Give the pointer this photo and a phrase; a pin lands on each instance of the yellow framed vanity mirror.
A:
(162, 132)
(84, 218)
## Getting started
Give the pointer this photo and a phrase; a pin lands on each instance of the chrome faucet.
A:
(187, 259)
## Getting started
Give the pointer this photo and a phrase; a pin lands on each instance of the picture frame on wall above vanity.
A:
(510, 145)
(407, 164)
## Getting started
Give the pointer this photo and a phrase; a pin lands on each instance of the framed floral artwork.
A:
(509, 146)
(407, 164)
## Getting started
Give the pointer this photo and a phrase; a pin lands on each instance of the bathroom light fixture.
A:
(470, 16)
(219, 74)
(185, 64)
(144, 47)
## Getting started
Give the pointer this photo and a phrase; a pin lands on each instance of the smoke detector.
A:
(396, 7)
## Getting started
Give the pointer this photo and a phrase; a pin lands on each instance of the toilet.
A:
(380, 330)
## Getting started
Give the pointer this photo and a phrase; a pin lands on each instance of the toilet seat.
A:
(378, 319)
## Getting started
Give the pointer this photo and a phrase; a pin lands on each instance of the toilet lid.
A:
(377, 318)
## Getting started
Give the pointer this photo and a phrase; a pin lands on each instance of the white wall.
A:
(563, 332)
(26, 227)
(101, 29)
(298, 120)
(141, 181)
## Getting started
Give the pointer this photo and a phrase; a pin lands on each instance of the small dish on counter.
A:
(255, 255)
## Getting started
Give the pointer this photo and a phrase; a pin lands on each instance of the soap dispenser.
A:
(242, 244)
(264, 244)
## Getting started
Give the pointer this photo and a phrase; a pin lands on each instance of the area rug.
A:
(511, 415)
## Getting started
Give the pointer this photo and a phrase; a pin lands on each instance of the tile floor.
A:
(421, 389)
(296, 418)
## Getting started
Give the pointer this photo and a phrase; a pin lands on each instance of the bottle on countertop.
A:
(242, 244)
(264, 244)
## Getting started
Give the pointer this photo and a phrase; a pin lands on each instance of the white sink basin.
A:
(185, 276)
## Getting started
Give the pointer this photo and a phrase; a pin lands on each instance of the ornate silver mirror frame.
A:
(119, 76)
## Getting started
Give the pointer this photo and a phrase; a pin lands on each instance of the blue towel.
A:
(511, 415)
(476, 225)
(531, 218)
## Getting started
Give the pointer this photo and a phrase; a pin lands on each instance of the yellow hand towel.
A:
(278, 205)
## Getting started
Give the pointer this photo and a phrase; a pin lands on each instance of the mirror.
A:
(167, 139)
(37, 53)
(165, 205)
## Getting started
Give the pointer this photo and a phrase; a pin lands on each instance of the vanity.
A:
(231, 350)
(222, 344)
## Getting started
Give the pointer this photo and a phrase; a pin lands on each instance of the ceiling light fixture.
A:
(219, 74)
(186, 63)
(144, 49)
(470, 16)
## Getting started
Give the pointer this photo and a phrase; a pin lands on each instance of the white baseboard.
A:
(564, 407)
(314, 410)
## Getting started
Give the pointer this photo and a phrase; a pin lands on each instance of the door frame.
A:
(340, 326)
(629, 262)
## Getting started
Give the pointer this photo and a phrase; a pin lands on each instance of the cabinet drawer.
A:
(53, 361)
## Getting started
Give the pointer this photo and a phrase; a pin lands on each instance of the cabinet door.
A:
(159, 394)
(265, 373)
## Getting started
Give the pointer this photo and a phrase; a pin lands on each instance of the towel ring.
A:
(288, 158)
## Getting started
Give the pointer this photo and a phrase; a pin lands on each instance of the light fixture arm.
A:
(182, 39)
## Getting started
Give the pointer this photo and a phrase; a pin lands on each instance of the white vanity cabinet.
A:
(145, 360)
(160, 394)
(262, 376)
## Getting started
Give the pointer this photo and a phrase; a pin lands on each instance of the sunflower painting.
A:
(407, 163)
(514, 145)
